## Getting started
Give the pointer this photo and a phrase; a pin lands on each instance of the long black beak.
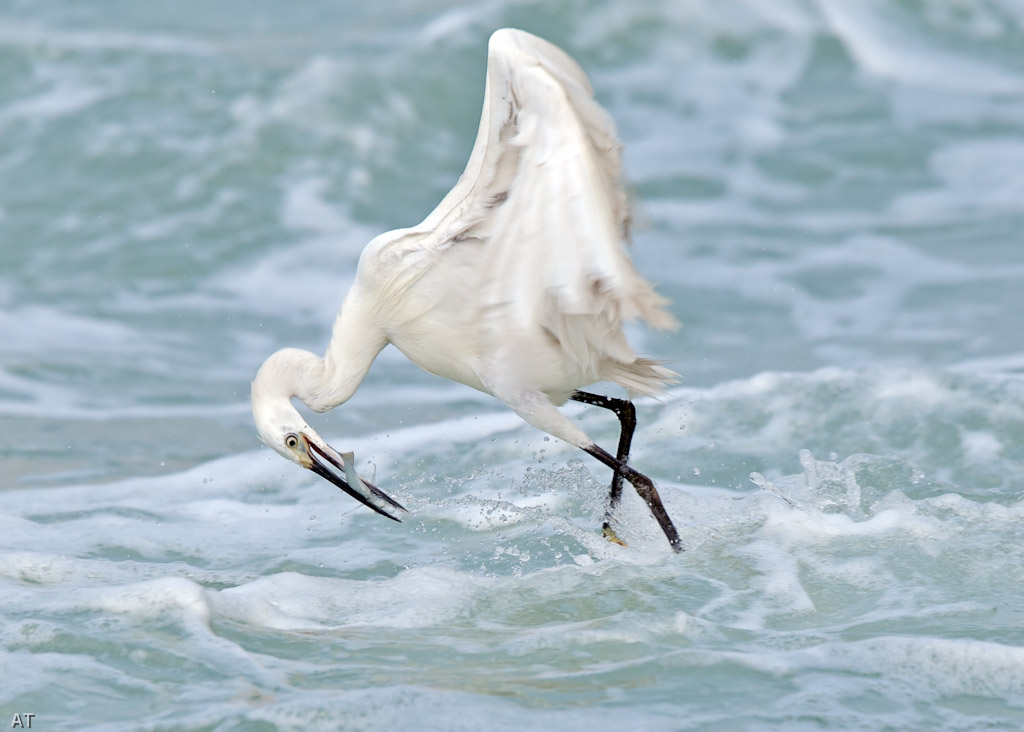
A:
(334, 469)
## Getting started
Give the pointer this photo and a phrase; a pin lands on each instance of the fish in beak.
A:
(338, 469)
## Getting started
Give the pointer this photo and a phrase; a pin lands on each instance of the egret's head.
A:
(281, 427)
(278, 423)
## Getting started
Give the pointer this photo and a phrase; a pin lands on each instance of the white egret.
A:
(517, 284)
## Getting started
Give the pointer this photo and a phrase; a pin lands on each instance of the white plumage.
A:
(517, 284)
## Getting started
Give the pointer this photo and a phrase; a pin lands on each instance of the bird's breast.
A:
(442, 350)
(438, 322)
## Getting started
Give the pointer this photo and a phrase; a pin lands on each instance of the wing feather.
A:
(543, 194)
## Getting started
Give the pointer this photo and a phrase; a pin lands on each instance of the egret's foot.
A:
(609, 533)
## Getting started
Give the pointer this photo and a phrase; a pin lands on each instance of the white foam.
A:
(152, 599)
(926, 668)
(66, 331)
(61, 100)
(883, 47)
(477, 514)
(823, 528)
(980, 175)
(37, 567)
(48, 669)
(777, 583)
(454, 22)
(305, 208)
(995, 515)
(415, 598)
(981, 446)
(19, 34)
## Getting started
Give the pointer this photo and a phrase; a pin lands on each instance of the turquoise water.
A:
(832, 194)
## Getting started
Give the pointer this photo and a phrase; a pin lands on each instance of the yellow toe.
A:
(609, 533)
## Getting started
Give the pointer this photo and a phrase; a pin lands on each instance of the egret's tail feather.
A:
(643, 376)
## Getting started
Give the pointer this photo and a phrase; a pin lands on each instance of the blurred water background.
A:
(830, 191)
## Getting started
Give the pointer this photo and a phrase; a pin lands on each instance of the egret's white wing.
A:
(542, 192)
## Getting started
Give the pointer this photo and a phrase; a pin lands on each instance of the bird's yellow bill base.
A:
(609, 533)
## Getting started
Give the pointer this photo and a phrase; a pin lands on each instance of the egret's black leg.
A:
(647, 491)
(626, 413)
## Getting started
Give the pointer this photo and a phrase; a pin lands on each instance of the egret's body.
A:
(517, 284)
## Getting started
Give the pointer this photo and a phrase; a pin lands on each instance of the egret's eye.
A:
(291, 442)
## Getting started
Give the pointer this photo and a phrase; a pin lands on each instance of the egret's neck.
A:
(356, 339)
(324, 383)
